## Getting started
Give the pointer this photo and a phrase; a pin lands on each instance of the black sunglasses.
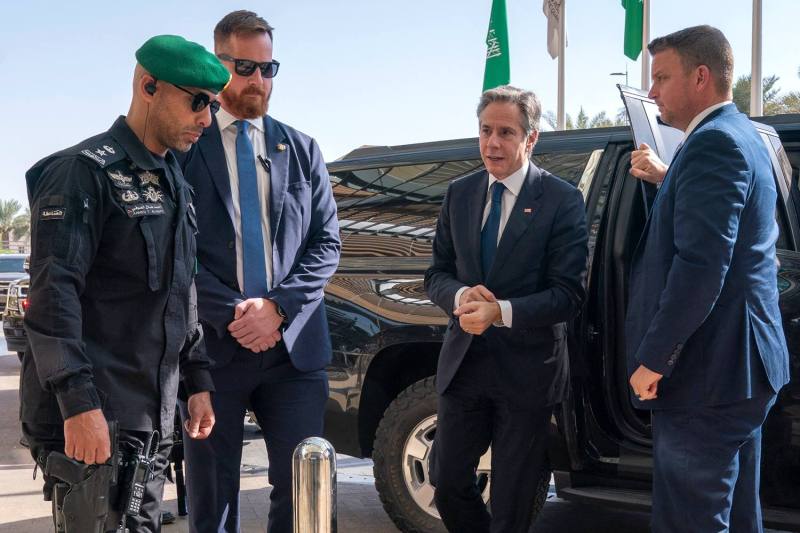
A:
(200, 100)
(246, 67)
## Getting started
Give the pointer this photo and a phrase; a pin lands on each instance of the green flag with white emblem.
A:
(634, 21)
(498, 65)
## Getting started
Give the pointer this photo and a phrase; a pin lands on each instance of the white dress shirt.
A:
(228, 129)
(700, 116)
(513, 184)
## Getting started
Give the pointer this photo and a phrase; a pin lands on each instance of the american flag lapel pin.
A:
(528, 210)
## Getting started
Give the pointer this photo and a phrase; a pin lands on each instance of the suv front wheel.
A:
(401, 456)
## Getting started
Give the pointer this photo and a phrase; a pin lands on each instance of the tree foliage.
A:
(12, 221)
(774, 102)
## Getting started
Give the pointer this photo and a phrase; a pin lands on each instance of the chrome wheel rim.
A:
(416, 460)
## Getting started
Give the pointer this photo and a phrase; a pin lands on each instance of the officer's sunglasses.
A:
(200, 100)
(246, 67)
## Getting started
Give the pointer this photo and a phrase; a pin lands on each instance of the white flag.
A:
(552, 10)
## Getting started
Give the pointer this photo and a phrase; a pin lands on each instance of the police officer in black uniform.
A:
(113, 320)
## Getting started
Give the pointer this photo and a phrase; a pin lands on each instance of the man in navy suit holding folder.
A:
(705, 345)
(268, 242)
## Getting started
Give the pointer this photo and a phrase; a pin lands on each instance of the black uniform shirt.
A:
(113, 309)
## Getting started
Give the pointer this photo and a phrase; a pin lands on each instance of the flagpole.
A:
(645, 42)
(756, 93)
(562, 49)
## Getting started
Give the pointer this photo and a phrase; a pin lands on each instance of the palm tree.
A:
(741, 94)
(8, 213)
(22, 224)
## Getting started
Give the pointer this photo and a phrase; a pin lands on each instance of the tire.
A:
(401, 454)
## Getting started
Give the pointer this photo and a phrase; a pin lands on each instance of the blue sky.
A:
(353, 72)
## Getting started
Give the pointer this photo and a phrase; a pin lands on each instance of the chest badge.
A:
(151, 194)
(148, 178)
(119, 179)
(130, 196)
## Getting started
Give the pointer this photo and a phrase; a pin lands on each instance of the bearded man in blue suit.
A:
(706, 350)
(268, 242)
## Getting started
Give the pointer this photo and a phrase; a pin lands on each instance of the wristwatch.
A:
(281, 312)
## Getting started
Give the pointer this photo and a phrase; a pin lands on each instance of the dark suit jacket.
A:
(703, 305)
(539, 267)
(305, 242)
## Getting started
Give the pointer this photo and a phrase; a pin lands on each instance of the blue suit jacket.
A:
(540, 267)
(305, 242)
(703, 305)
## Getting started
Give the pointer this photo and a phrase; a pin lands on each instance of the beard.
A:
(251, 102)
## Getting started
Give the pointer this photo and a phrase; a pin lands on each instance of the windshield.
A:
(11, 264)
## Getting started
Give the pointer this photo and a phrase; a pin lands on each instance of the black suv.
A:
(386, 334)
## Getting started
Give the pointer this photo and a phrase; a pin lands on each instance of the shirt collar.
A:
(702, 115)
(136, 150)
(514, 182)
(225, 120)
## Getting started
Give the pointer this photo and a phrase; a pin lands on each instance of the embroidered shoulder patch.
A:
(52, 213)
(104, 153)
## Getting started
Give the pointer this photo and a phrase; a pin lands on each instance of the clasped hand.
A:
(477, 310)
(255, 324)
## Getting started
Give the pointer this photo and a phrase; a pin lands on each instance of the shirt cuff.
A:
(506, 314)
(459, 292)
(78, 398)
(197, 380)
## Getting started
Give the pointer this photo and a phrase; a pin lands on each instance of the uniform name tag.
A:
(141, 210)
(52, 213)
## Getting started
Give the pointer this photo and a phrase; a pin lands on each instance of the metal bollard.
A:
(314, 486)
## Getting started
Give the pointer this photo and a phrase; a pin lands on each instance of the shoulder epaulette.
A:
(104, 152)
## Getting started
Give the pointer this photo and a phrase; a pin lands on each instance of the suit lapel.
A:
(210, 146)
(475, 207)
(279, 171)
(522, 215)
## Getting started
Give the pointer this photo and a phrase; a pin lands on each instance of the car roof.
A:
(467, 148)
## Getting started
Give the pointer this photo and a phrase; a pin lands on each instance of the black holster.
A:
(81, 492)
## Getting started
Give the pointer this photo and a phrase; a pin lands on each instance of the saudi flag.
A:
(498, 66)
(634, 20)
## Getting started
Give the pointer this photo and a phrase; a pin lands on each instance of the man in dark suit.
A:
(705, 345)
(509, 261)
(268, 242)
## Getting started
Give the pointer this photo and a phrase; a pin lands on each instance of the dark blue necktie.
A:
(491, 228)
(254, 263)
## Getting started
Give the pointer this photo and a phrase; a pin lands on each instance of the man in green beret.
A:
(113, 331)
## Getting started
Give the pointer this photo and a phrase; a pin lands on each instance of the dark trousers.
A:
(473, 413)
(706, 472)
(44, 438)
(289, 406)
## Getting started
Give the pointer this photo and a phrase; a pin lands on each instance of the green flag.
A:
(498, 66)
(634, 21)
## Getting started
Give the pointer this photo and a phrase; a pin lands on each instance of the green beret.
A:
(175, 60)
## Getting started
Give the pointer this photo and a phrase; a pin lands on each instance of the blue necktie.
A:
(254, 263)
(491, 228)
